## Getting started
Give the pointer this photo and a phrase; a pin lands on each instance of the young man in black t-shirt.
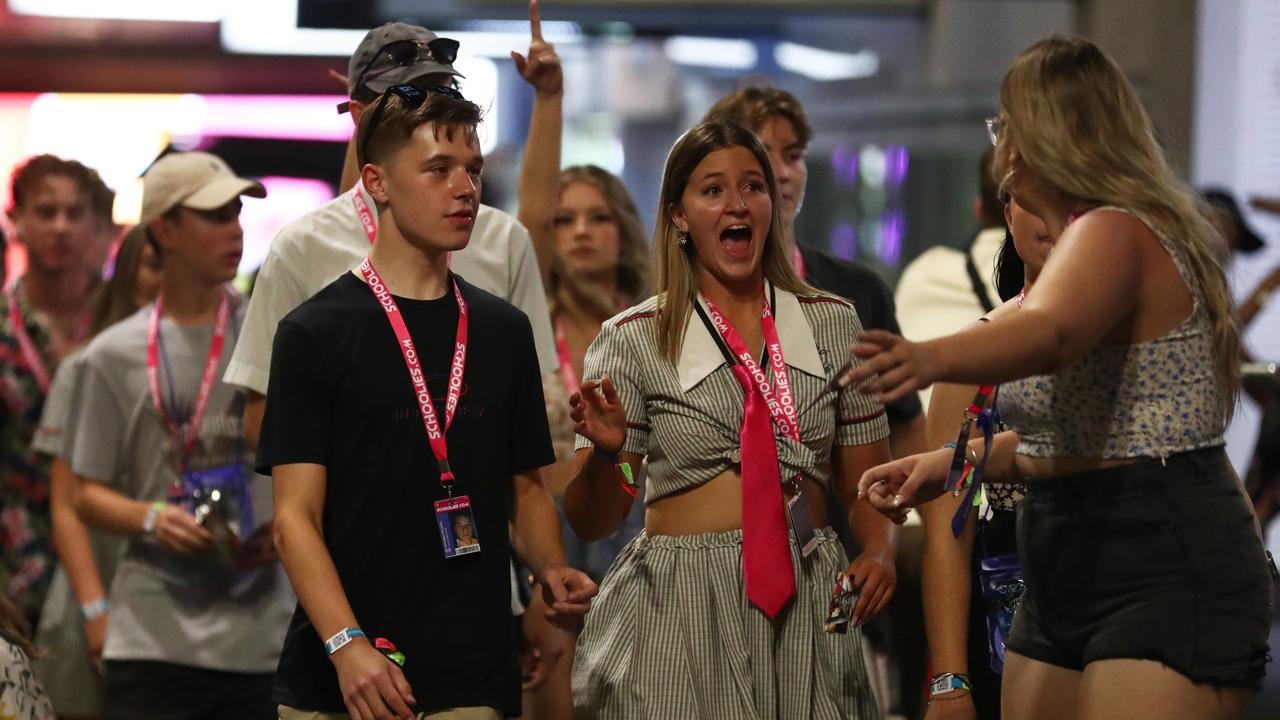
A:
(405, 427)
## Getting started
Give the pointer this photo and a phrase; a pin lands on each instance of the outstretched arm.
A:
(1073, 307)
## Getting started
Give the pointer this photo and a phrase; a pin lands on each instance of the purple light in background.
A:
(844, 165)
(895, 166)
(844, 242)
(893, 225)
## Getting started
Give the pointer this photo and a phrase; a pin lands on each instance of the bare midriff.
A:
(716, 506)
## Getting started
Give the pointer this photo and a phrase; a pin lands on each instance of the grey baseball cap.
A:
(376, 67)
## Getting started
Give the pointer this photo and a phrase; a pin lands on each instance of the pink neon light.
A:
(284, 117)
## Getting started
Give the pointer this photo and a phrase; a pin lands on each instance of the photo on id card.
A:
(457, 525)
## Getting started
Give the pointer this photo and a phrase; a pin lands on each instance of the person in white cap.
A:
(314, 250)
(199, 602)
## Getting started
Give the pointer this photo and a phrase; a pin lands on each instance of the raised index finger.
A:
(535, 21)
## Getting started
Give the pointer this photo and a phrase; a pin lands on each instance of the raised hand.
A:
(541, 68)
(598, 415)
(891, 366)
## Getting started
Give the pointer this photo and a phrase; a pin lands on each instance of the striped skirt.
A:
(671, 635)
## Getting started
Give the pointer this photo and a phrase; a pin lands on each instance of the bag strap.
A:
(975, 280)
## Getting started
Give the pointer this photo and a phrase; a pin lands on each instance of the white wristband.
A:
(149, 522)
(93, 609)
(341, 638)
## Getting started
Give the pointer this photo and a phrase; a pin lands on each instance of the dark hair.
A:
(172, 215)
(399, 120)
(1246, 240)
(26, 179)
(989, 192)
(102, 200)
(1011, 273)
(751, 106)
(15, 628)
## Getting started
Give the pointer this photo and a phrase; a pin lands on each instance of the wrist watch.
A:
(948, 683)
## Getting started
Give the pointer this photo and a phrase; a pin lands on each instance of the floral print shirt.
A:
(21, 695)
(26, 555)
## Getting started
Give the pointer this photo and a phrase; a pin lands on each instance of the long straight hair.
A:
(1077, 122)
(677, 275)
(633, 248)
(118, 296)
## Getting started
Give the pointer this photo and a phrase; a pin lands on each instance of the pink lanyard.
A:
(30, 354)
(435, 436)
(186, 441)
(782, 408)
(368, 223)
(571, 384)
(366, 216)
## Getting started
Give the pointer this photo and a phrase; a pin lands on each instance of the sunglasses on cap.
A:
(403, 54)
(411, 96)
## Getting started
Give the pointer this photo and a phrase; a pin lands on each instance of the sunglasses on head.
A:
(405, 53)
(411, 96)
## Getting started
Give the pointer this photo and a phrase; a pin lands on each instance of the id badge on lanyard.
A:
(454, 516)
(219, 498)
(779, 399)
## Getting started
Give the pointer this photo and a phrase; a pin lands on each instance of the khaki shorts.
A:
(466, 713)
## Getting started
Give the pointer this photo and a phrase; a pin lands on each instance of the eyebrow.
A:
(445, 157)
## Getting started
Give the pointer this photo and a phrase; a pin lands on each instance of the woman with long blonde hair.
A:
(717, 609)
(1147, 588)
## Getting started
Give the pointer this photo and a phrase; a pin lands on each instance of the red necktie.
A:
(766, 550)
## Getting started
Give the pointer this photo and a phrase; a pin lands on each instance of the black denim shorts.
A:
(1154, 561)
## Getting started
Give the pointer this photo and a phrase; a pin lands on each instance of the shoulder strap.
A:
(975, 279)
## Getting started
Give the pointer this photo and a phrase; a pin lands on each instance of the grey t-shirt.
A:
(164, 607)
(51, 436)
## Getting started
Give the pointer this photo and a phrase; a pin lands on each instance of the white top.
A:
(314, 250)
(935, 296)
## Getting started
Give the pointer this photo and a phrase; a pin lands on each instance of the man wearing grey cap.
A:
(314, 250)
(199, 602)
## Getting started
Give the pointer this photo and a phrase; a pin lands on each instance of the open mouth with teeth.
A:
(736, 240)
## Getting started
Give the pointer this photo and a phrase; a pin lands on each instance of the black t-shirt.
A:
(340, 396)
(872, 299)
